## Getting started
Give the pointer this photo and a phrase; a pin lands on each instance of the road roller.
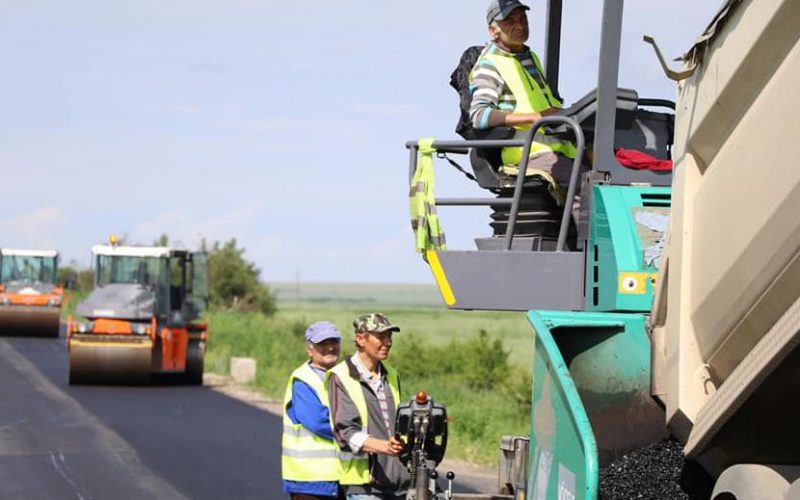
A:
(144, 318)
(30, 299)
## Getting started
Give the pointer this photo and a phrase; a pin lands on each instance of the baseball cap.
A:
(320, 331)
(499, 9)
(375, 322)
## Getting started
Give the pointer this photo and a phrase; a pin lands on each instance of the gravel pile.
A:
(658, 471)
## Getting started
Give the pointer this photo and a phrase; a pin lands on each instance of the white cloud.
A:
(393, 249)
(292, 126)
(389, 111)
(187, 109)
(31, 229)
(188, 229)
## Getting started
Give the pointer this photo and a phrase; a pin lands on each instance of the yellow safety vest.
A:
(306, 456)
(428, 234)
(355, 466)
(531, 98)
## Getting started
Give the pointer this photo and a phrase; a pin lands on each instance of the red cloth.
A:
(641, 161)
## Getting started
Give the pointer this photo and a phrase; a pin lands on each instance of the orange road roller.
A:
(30, 299)
(143, 318)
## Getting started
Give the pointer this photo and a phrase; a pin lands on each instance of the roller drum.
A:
(110, 359)
(30, 321)
(195, 354)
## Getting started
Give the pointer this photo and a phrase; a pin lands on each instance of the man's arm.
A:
(348, 429)
(485, 112)
(309, 411)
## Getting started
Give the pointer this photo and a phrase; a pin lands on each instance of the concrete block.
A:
(243, 370)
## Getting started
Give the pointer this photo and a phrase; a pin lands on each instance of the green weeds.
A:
(486, 394)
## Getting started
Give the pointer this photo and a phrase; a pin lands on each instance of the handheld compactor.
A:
(143, 317)
(30, 299)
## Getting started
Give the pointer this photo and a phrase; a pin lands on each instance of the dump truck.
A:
(670, 309)
(30, 298)
(143, 318)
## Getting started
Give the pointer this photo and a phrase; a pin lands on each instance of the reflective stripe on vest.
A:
(355, 466)
(306, 456)
(531, 98)
(428, 234)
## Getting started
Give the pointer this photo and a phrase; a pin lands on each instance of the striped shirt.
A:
(378, 386)
(491, 97)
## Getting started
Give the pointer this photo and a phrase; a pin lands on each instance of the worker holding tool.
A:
(364, 392)
(310, 460)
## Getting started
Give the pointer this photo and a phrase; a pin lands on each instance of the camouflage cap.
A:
(375, 322)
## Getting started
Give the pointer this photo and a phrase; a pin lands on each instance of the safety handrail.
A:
(525, 143)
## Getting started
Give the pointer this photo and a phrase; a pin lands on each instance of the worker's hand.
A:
(394, 446)
(513, 119)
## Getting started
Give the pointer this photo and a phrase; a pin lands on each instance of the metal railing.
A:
(463, 147)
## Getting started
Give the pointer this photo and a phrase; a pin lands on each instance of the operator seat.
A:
(539, 216)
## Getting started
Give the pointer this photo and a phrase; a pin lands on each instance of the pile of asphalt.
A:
(656, 471)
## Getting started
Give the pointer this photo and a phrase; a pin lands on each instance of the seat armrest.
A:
(495, 133)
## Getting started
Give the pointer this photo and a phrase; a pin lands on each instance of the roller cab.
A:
(30, 299)
(143, 317)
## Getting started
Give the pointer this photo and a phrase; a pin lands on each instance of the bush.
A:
(479, 362)
(486, 395)
(234, 282)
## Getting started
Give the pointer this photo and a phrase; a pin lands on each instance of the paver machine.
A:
(714, 362)
(30, 298)
(144, 317)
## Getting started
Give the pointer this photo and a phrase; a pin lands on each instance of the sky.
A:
(280, 124)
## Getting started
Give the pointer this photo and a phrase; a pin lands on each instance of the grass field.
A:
(477, 363)
(417, 309)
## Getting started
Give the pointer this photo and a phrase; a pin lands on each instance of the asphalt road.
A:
(93, 442)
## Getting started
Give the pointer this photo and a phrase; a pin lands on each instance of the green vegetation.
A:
(77, 283)
(74, 279)
(234, 282)
(461, 358)
(71, 299)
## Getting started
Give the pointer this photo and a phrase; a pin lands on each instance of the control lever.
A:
(450, 476)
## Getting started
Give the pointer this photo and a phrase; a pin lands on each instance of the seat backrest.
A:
(459, 80)
(486, 162)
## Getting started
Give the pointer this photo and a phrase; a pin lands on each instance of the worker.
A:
(310, 460)
(364, 392)
(509, 89)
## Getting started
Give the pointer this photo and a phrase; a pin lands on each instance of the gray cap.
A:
(500, 9)
(321, 331)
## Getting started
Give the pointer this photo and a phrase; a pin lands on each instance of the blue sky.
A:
(281, 124)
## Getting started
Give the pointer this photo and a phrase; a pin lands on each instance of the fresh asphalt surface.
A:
(126, 442)
(94, 442)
